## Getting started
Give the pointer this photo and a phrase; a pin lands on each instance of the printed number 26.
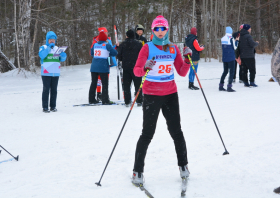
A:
(163, 69)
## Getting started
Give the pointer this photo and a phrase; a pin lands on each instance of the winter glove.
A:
(63, 55)
(51, 45)
(149, 65)
(187, 51)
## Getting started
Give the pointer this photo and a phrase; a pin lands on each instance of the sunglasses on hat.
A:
(159, 28)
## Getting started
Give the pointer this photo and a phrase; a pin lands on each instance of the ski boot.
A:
(192, 87)
(233, 80)
(252, 84)
(241, 81)
(46, 110)
(229, 88)
(221, 87)
(137, 179)
(99, 97)
(139, 104)
(184, 171)
(246, 84)
(277, 190)
(53, 110)
(108, 103)
(128, 105)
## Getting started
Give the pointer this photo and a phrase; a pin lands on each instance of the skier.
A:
(160, 93)
(99, 83)
(127, 53)
(100, 67)
(50, 71)
(247, 55)
(192, 42)
(228, 46)
(139, 31)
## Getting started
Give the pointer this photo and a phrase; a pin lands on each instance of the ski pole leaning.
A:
(139, 90)
(226, 152)
(16, 158)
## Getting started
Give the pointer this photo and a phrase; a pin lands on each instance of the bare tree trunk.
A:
(16, 34)
(238, 15)
(32, 57)
(210, 48)
(258, 20)
(193, 13)
(198, 18)
(113, 23)
(170, 21)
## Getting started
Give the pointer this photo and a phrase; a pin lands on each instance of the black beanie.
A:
(130, 34)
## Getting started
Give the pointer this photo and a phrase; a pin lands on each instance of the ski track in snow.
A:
(63, 154)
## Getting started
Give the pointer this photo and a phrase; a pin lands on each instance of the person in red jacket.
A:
(161, 58)
(99, 83)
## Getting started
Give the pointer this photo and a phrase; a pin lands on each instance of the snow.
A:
(63, 154)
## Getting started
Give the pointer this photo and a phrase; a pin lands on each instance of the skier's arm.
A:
(181, 66)
(141, 61)
(119, 49)
(92, 51)
(251, 42)
(232, 42)
(44, 52)
(196, 45)
(111, 50)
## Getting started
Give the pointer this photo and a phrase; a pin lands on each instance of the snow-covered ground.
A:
(63, 154)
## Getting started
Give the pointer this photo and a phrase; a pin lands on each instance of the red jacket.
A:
(159, 88)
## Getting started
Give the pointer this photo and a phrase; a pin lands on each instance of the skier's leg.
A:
(126, 86)
(225, 72)
(137, 82)
(105, 84)
(46, 90)
(91, 95)
(170, 110)
(151, 108)
(54, 83)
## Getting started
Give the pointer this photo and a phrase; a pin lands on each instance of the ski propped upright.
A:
(142, 188)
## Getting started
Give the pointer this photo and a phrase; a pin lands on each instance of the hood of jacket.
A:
(243, 32)
(50, 34)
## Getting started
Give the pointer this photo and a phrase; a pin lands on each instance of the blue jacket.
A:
(50, 66)
(228, 48)
(99, 65)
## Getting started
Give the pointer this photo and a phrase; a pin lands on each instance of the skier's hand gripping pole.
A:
(226, 152)
(139, 90)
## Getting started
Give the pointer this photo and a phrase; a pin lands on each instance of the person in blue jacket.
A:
(228, 60)
(100, 52)
(50, 71)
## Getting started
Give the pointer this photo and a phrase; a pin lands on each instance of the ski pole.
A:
(16, 158)
(98, 183)
(226, 152)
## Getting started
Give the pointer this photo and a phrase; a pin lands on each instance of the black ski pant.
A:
(240, 71)
(128, 76)
(94, 78)
(49, 86)
(169, 105)
(249, 64)
(228, 67)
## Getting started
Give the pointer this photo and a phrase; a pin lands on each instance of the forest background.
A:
(24, 24)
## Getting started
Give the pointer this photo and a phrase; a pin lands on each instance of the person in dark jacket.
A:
(247, 54)
(228, 60)
(128, 53)
(100, 52)
(139, 31)
(192, 42)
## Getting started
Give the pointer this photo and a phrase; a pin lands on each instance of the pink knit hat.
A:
(160, 20)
